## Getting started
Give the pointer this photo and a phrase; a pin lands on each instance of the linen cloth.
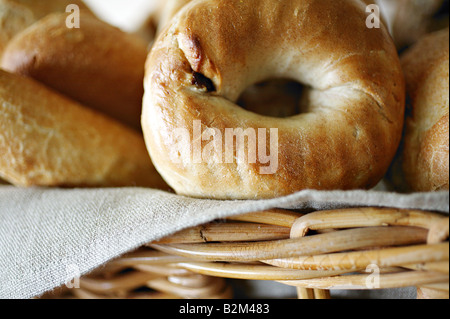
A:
(46, 234)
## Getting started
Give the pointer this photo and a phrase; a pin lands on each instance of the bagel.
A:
(97, 65)
(212, 51)
(48, 140)
(17, 15)
(426, 146)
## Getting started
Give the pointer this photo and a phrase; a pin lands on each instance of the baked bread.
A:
(426, 149)
(212, 51)
(16, 15)
(48, 140)
(97, 65)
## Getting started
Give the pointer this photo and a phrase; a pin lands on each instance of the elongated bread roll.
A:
(48, 140)
(97, 65)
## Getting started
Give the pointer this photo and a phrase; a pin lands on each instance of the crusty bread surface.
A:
(352, 117)
(47, 139)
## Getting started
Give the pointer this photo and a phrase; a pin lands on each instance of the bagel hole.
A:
(279, 98)
(202, 82)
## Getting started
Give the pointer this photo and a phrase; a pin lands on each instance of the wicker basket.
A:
(350, 249)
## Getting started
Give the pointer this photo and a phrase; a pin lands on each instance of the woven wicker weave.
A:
(356, 249)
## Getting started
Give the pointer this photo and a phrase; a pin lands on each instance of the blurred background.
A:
(127, 15)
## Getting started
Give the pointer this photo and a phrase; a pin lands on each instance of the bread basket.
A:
(318, 253)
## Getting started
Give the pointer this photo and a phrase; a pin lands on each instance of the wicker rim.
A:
(357, 248)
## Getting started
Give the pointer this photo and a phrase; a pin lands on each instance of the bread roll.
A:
(426, 149)
(97, 65)
(48, 140)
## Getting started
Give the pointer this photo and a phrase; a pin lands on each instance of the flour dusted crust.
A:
(97, 65)
(213, 50)
(426, 151)
(48, 140)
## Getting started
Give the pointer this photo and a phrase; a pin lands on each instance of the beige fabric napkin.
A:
(47, 234)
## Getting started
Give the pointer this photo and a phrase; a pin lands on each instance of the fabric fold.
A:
(47, 234)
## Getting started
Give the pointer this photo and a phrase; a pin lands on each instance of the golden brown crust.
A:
(97, 65)
(214, 50)
(49, 140)
(426, 151)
